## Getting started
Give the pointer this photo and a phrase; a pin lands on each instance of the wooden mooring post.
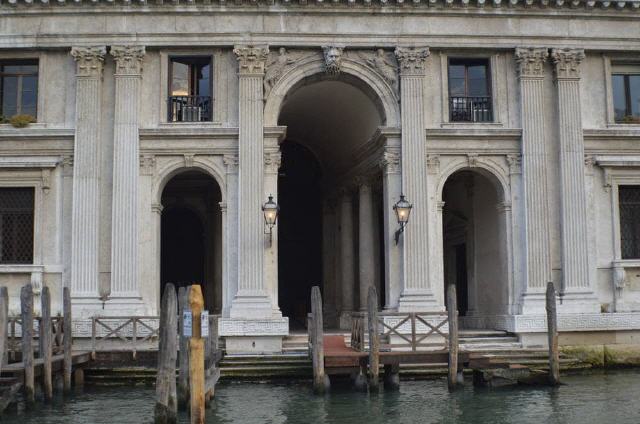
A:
(374, 339)
(452, 312)
(196, 358)
(67, 340)
(166, 408)
(320, 379)
(183, 371)
(552, 332)
(4, 326)
(26, 310)
(46, 343)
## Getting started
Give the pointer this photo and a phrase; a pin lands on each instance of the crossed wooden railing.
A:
(402, 331)
(125, 328)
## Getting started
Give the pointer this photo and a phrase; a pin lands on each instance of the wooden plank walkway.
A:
(16, 369)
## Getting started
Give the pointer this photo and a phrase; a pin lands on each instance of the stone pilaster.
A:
(366, 251)
(86, 174)
(347, 271)
(252, 299)
(416, 292)
(329, 272)
(230, 218)
(573, 197)
(272, 160)
(531, 67)
(126, 169)
(391, 190)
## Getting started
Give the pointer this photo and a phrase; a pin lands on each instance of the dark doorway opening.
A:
(191, 242)
(299, 231)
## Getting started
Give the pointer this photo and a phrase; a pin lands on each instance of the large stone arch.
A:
(485, 167)
(178, 166)
(314, 65)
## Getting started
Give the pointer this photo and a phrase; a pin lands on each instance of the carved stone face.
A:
(332, 59)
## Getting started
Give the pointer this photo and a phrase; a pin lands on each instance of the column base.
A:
(532, 303)
(578, 302)
(419, 302)
(90, 306)
(344, 322)
(253, 306)
(253, 336)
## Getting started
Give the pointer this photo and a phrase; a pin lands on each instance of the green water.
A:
(603, 397)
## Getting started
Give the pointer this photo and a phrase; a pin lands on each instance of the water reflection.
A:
(585, 399)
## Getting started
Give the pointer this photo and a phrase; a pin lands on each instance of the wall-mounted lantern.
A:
(270, 211)
(402, 208)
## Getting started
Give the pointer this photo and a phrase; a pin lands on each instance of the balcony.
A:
(470, 109)
(189, 108)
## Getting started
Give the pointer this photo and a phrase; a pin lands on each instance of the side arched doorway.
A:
(475, 243)
(191, 241)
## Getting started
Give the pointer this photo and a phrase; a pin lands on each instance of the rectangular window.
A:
(469, 91)
(629, 201)
(625, 80)
(18, 87)
(190, 89)
(16, 225)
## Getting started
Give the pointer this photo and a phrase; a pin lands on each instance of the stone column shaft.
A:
(391, 190)
(272, 160)
(329, 274)
(126, 169)
(416, 293)
(366, 251)
(230, 230)
(534, 168)
(252, 299)
(347, 271)
(86, 172)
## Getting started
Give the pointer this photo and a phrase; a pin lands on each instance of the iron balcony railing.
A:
(189, 108)
(470, 109)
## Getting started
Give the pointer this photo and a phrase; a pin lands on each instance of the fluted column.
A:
(531, 67)
(391, 189)
(416, 293)
(347, 269)
(366, 251)
(573, 197)
(252, 299)
(86, 173)
(126, 164)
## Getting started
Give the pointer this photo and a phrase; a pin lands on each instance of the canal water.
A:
(601, 397)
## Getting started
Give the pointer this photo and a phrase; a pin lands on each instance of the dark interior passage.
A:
(299, 231)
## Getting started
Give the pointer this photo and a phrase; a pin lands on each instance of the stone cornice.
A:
(531, 61)
(567, 62)
(412, 60)
(90, 60)
(128, 59)
(251, 59)
(588, 5)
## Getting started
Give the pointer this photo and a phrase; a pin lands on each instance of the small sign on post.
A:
(187, 324)
(204, 324)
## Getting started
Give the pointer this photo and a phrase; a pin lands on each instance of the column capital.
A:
(363, 182)
(567, 62)
(272, 161)
(390, 162)
(515, 164)
(231, 162)
(531, 61)
(128, 59)
(433, 164)
(251, 59)
(412, 60)
(89, 60)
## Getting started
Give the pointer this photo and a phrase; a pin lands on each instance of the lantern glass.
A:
(270, 210)
(402, 209)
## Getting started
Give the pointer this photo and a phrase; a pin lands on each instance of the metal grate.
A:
(16, 225)
(189, 108)
(629, 199)
(470, 109)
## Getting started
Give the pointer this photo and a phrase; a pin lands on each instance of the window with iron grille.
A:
(18, 87)
(190, 88)
(629, 201)
(469, 91)
(16, 225)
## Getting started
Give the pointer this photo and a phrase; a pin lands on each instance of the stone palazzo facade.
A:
(513, 127)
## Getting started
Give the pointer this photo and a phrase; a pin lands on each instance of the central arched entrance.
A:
(191, 242)
(329, 190)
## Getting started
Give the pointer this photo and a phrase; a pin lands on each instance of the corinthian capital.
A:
(531, 61)
(412, 60)
(89, 60)
(251, 59)
(567, 62)
(128, 59)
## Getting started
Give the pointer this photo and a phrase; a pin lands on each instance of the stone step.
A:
(505, 339)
